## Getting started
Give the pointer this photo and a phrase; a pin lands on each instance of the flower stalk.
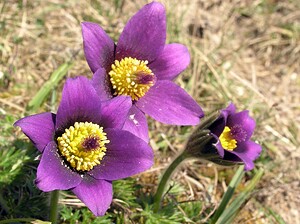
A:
(191, 151)
(54, 196)
(164, 180)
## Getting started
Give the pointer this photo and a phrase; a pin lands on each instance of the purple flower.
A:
(82, 146)
(233, 131)
(141, 66)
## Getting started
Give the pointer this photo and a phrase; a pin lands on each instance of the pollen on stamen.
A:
(227, 140)
(131, 77)
(83, 145)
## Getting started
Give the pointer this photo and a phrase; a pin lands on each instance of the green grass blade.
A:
(276, 216)
(228, 194)
(229, 213)
(55, 78)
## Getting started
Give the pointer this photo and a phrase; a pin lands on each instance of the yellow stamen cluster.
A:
(83, 145)
(126, 76)
(226, 139)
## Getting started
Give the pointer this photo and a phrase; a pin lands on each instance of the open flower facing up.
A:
(233, 131)
(83, 147)
(141, 66)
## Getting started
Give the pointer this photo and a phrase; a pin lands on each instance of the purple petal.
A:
(218, 145)
(98, 46)
(173, 60)
(39, 128)
(102, 85)
(230, 109)
(115, 112)
(144, 35)
(168, 103)
(243, 123)
(52, 174)
(126, 155)
(79, 103)
(218, 126)
(95, 194)
(248, 152)
(228, 156)
(136, 123)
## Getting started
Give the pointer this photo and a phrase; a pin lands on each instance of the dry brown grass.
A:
(243, 51)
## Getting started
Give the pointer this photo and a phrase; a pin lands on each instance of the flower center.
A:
(131, 77)
(83, 145)
(227, 140)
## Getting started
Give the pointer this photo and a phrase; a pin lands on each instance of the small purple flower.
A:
(142, 66)
(233, 131)
(83, 147)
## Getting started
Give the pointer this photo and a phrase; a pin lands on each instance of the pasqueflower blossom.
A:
(83, 147)
(232, 131)
(142, 66)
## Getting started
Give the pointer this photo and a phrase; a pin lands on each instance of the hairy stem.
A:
(54, 206)
(164, 180)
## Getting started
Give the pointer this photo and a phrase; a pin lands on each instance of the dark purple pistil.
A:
(90, 143)
(145, 78)
(238, 133)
